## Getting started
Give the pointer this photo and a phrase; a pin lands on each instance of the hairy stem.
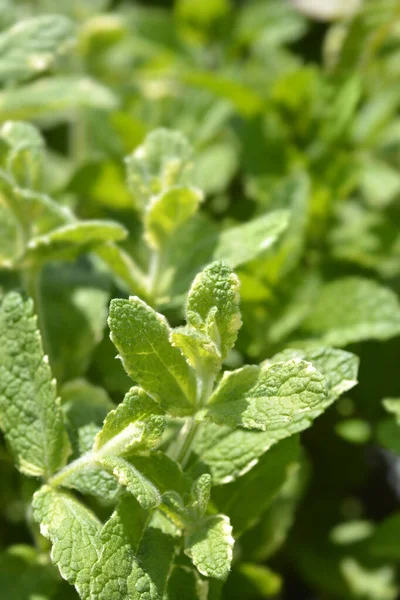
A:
(188, 434)
(74, 467)
(190, 428)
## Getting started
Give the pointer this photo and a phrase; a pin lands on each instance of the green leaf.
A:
(201, 492)
(163, 471)
(31, 46)
(30, 413)
(286, 395)
(163, 161)
(228, 453)
(83, 405)
(210, 546)
(339, 367)
(93, 480)
(55, 98)
(25, 151)
(351, 310)
(198, 348)
(151, 571)
(125, 270)
(213, 305)
(167, 211)
(120, 539)
(215, 166)
(231, 453)
(70, 240)
(134, 425)
(241, 244)
(74, 532)
(135, 482)
(142, 338)
(10, 237)
(256, 489)
(269, 533)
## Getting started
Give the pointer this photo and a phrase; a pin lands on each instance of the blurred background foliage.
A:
(287, 105)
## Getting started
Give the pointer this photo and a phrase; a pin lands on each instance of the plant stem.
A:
(188, 431)
(190, 428)
(73, 467)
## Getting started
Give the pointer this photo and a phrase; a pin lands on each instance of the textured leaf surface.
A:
(213, 305)
(338, 366)
(286, 395)
(210, 546)
(230, 453)
(351, 310)
(135, 424)
(74, 532)
(163, 471)
(201, 492)
(30, 46)
(239, 245)
(150, 573)
(119, 538)
(30, 413)
(257, 488)
(135, 482)
(199, 349)
(142, 338)
(168, 211)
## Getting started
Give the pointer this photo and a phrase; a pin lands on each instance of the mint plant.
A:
(165, 154)
(160, 454)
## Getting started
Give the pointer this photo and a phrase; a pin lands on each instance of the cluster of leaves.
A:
(194, 161)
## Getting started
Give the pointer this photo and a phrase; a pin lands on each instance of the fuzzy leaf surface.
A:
(30, 413)
(141, 336)
(210, 546)
(286, 395)
(213, 305)
(135, 482)
(135, 423)
(120, 539)
(74, 532)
